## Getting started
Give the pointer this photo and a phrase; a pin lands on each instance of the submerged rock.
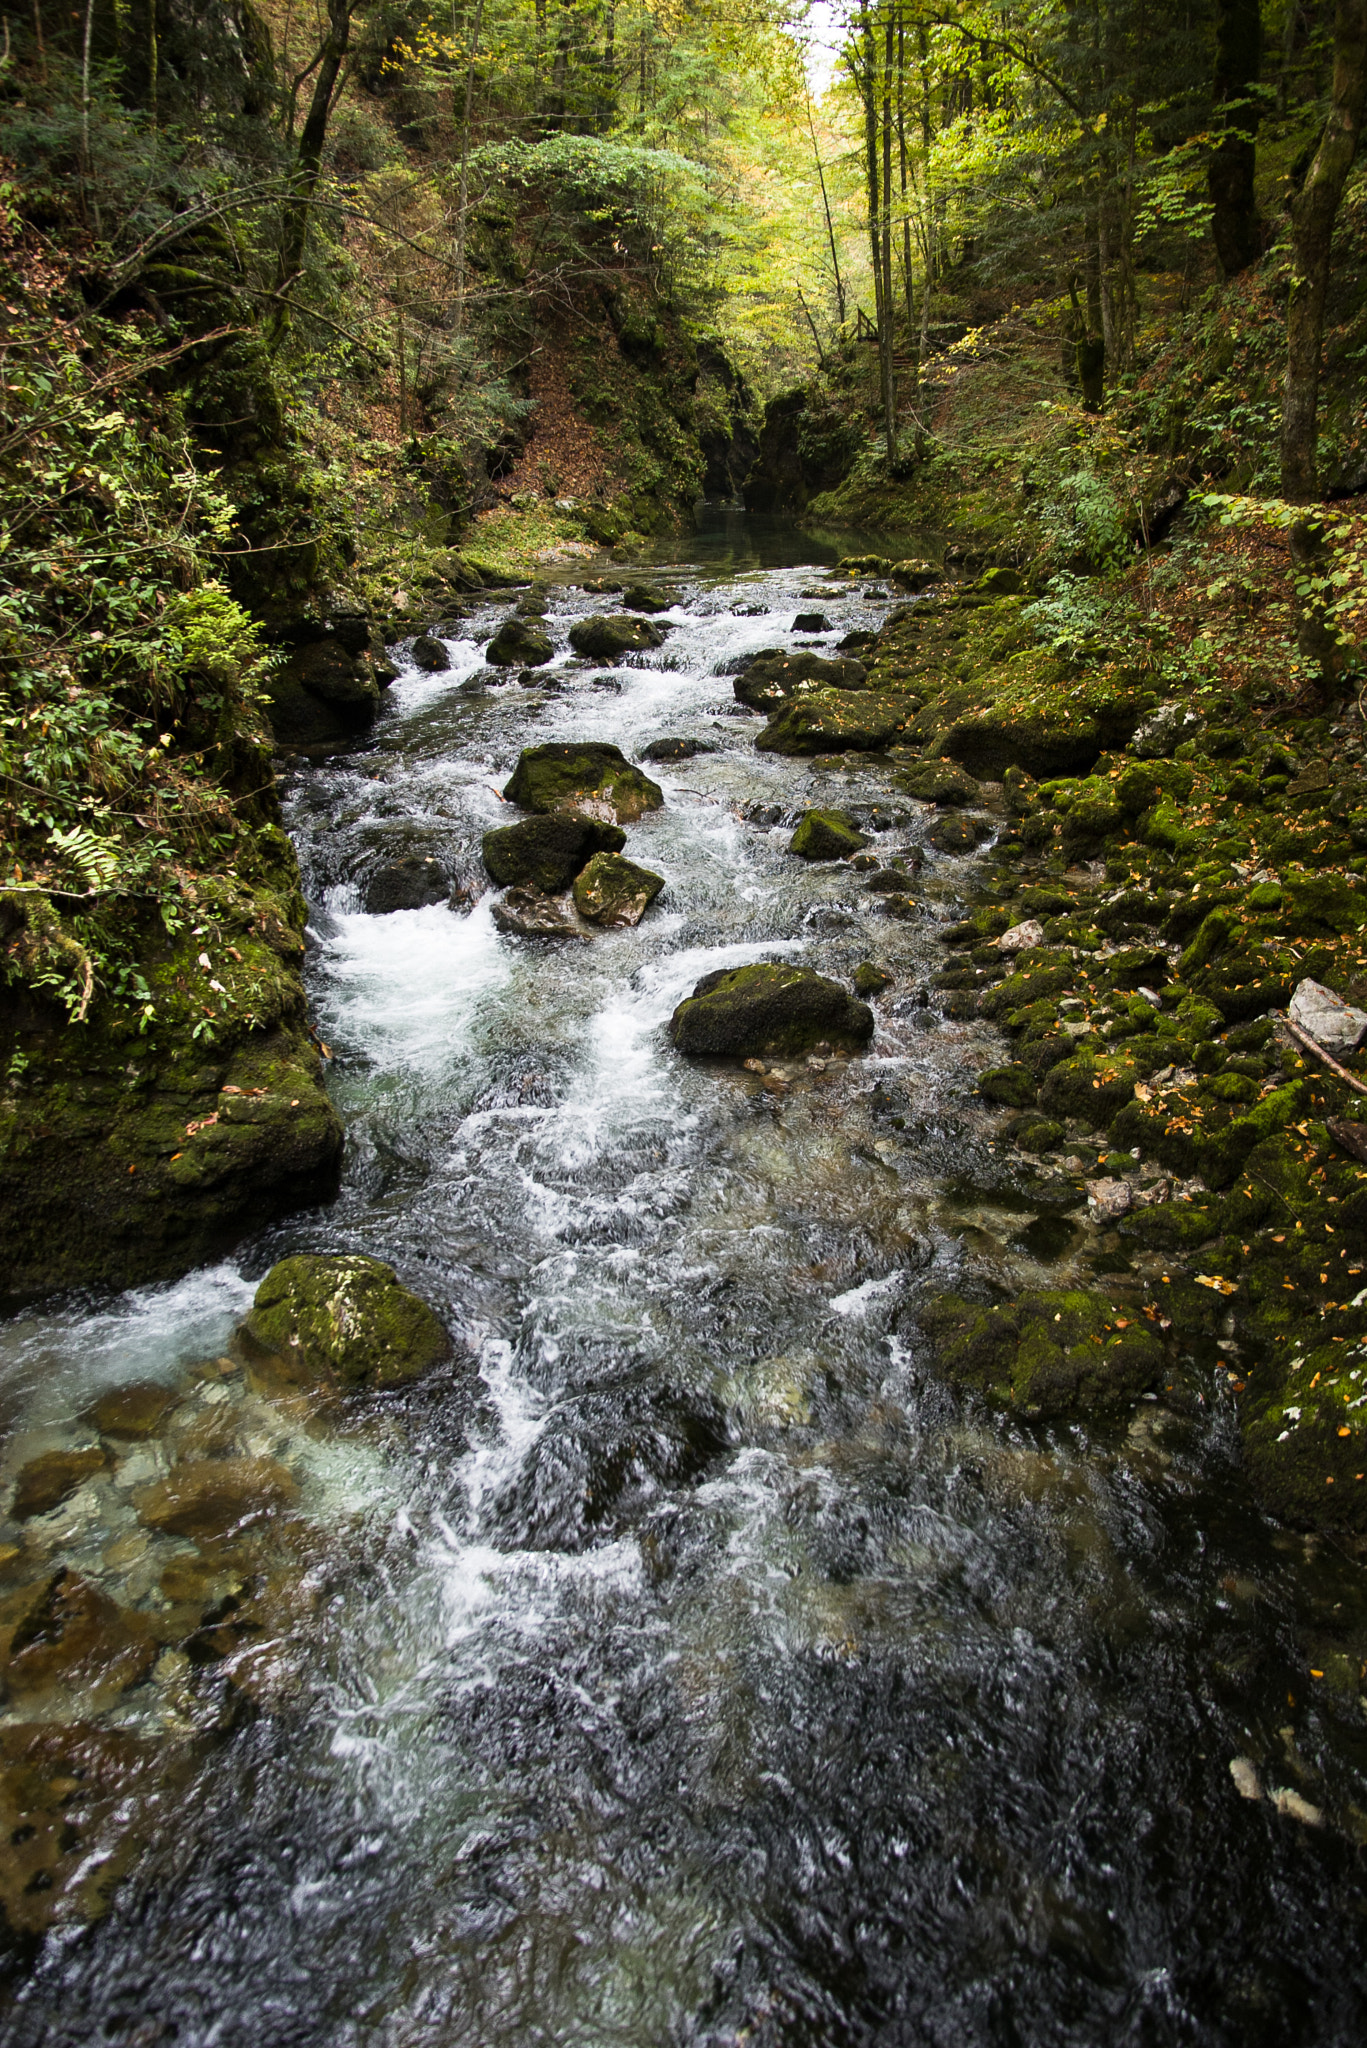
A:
(547, 853)
(746, 1011)
(430, 655)
(45, 1482)
(208, 1498)
(606, 638)
(612, 891)
(1049, 1353)
(62, 1630)
(592, 779)
(406, 884)
(1328, 1019)
(826, 835)
(134, 1412)
(774, 676)
(529, 913)
(518, 645)
(345, 1320)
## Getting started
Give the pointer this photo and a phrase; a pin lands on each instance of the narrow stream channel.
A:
(700, 1671)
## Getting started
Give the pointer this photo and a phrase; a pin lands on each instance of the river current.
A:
(701, 1670)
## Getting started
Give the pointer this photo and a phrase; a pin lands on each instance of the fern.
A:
(97, 859)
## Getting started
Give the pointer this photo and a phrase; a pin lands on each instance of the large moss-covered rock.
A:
(745, 1011)
(547, 852)
(837, 722)
(774, 676)
(1052, 1353)
(938, 782)
(613, 891)
(345, 1321)
(606, 638)
(589, 778)
(826, 835)
(517, 644)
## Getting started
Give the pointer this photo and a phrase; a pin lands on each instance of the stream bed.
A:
(689, 1666)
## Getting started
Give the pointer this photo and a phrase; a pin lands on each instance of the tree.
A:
(1236, 224)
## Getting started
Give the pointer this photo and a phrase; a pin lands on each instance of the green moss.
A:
(1047, 1354)
(590, 777)
(744, 1011)
(347, 1321)
(826, 835)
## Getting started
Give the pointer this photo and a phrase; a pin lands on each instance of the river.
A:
(691, 1666)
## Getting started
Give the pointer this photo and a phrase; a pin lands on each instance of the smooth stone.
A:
(430, 655)
(826, 835)
(209, 1497)
(608, 638)
(346, 1320)
(1327, 1018)
(591, 778)
(406, 884)
(746, 1011)
(134, 1412)
(518, 645)
(615, 892)
(528, 913)
(547, 853)
(46, 1481)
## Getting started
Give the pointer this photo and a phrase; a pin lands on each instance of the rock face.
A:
(774, 676)
(590, 780)
(747, 1011)
(46, 1481)
(826, 835)
(208, 1498)
(407, 884)
(1046, 1354)
(613, 891)
(837, 721)
(518, 645)
(529, 913)
(547, 853)
(1331, 1022)
(345, 1321)
(430, 655)
(327, 690)
(606, 638)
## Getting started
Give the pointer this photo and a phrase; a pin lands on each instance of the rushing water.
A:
(700, 1670)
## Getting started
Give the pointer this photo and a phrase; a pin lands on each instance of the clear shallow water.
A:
(708, 1674)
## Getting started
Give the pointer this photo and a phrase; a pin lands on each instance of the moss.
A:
(837, 721)
(345, 1321)
(1014, 1086)
(590, 777)
(744, 1011)
(1047, 1354)
(826, 835)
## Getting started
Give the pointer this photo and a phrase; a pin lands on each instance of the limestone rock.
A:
(1331, 1022)
(746, 1011)
(547, 853)
(1163, 730)
(430, 655)
(591, 778)
(207, 1498)
(606, 638)
(134, 1412)
(528, 913)
(518, 645)
(45, 1482)
(346, 1320)
(1022, 936)
(826, 835)
(612, 891)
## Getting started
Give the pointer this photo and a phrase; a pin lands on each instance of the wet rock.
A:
(938, 782)
(1014, 1086)
(1164, 730)
(774, 676)
(430, 655)
(529, 913)
(591, 779)
(958, 835)
(209, 1498)
(644, 597)
(406, 884)
(837, 721)
(676, 750)
(1021, 937)
(134, 1412)
(45, 1482)
(746, 1011)
(615, 892)
(1292, 1806)
(888, 882)
(547, 853)
(1108, 1200)
(811, 622)
(607, 638)
(870, 980)
(1049, 1353)
(532, 606)
(61, 1630)
(1244, 1772)
(1328, 1019)
(347, 1321)
(826, 835)
(518, 645)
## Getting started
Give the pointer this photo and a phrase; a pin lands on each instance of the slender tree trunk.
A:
(309, 158)
(463, 182)
(886, 337)
(906, 206)
(869, 91)
(826, 205)
(1313, 211)
(1236, 224)
(85, 108)
(1290, 23)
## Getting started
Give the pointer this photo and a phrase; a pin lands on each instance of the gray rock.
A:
(1108, 1200)
(530, 914)
(811, 622)
(549, 852)
(406, 884)
(430, 655)
(607, 638)
(1022, 936)
(1163, 730)
(1331, 1022)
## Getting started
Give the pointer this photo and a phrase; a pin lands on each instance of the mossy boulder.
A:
(1306, 1445)
(345, 1321)
(1014, 1086)
(547, 852)
(748, 1011)
(828, 721)
(958, 835)
(826, 835)
(1057, 1352)
(871, 980)
(517, 644)
(589, 779)
(775, 675)
(938, 782)
(646, 597)
(431, 655)
(606, 638)
(613, 891)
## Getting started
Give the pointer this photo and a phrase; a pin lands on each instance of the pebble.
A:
(1293, 1807)
(1245, 1775)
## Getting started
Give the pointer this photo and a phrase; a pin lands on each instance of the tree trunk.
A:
(885, 339)
(463, 185)
(869, 92)
(826, 205)
(308, 160)
(1313, 210)
(1236, 224)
